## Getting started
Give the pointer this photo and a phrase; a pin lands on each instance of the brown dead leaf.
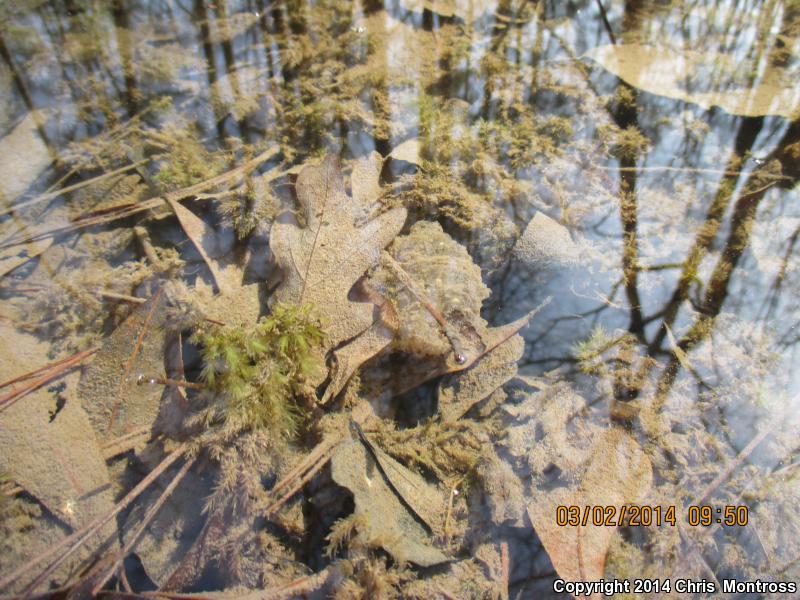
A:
(546, 241)
(54, 456)
(617, 473)
(387, 520)
(350, 356)
(202, 236)
(407, 151)
(110, 388)
(663, 71)
(461, 391)
(25, 156)
(323, 259)
(38, 445)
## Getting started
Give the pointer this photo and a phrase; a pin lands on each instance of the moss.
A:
(188, 162)
(255, 374)
(630, 143)
(451, 451)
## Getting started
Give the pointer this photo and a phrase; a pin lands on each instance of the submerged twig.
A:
(71, 188)
(48, 373)
(148, 517)
(144, 380)
(130, 210)
(74, 541)
(447, 329)
(310, 468)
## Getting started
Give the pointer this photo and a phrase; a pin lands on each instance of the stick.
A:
(77, 539)
(298, 486)
(52, 371)
(176, 195)
(423, 299)
(148, 517)
(72, 188)
(726, 472)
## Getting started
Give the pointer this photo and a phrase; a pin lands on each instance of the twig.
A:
(422, 298)
(606, 24)
(151, 203)
(304, 465)
(135, 300)
(726, 472)
(505, 570)
(317, 459)
(77, 539)
(49, 373)
(299, 587)
(126, 442)
(323, 460)
(448, 595)
(148, 517)
(691, 170)
(144, 380)
(47, 367)
(72, 188)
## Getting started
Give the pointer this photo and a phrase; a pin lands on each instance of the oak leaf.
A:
(324, 258)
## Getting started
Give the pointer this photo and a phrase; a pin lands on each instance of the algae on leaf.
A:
(547, 241)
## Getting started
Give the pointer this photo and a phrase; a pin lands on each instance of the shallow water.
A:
(635, 161)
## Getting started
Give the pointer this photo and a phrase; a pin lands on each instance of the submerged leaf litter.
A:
(353, 301)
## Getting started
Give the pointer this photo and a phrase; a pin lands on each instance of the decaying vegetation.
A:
(276, 296)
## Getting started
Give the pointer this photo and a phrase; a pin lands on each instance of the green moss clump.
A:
(255, 375)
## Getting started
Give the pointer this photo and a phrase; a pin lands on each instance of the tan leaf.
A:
(664, 72)
(545, 240)
(323, 259)
(387, 520)
(350, 356)
(202, 236)
(407, 151)
(461, 391)
(25, 156)
(38, 443)
(618, 473)
(110, 388)
(54, 456)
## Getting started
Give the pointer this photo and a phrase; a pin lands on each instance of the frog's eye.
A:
(460, 358)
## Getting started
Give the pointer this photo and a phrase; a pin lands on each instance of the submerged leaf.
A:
(112, 389)
(459, 392)
(25, 156)
(323, 259)
(202, 236)
(618, 473)
(171, 533)
(54, 456)
(665, 72)
(545, 240)
(387, 522)
(37, 440)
